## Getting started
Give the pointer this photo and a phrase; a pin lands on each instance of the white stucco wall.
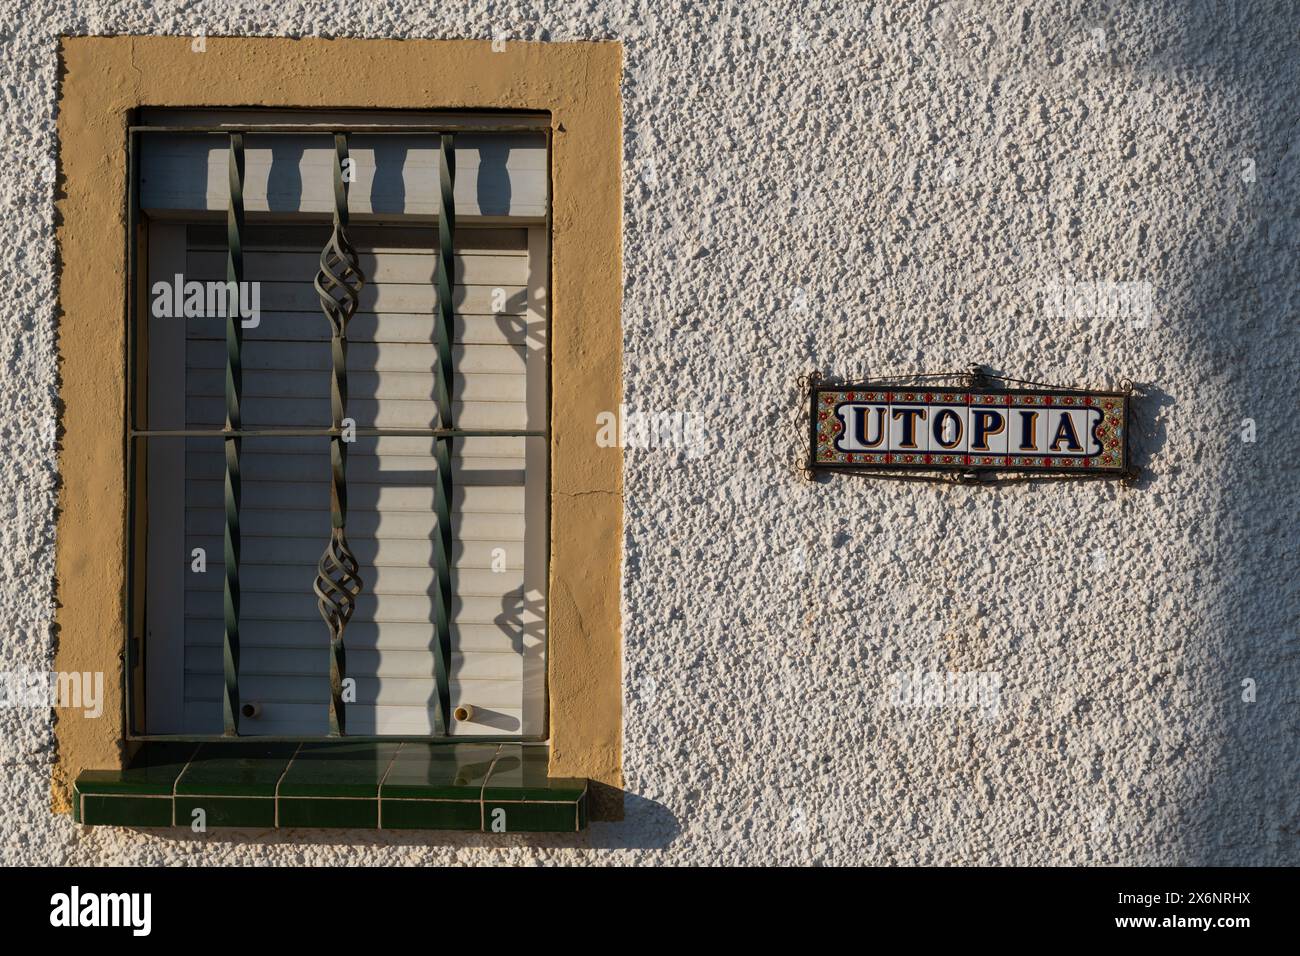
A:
(858, 190)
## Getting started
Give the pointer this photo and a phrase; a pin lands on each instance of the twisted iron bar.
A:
(338, 285)
(234, 387)
(445, 278)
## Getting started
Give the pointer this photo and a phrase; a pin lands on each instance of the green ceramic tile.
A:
(531, 817)
(153, 770)
(436, 786)
(336, 769)
(400, 814)
(123, 811)
(330, 813)
(235, 769)
(226, 811)
(520, 773)
(519, 797)
(336, 784)
(445, 771)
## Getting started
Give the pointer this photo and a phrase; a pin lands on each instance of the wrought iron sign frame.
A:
(967, 470)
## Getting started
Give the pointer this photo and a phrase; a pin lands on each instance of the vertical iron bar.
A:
(446, 274)
(133, 647)
(234, 386)
(338, 285)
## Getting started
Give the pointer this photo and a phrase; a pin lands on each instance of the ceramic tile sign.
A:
(866, 428)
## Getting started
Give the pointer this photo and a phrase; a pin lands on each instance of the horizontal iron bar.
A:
(331, 432)
(330, 129)
(350, 739)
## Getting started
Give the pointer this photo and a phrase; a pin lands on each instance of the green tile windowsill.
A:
(495, 788)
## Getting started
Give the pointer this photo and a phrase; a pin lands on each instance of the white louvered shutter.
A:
(499, 523)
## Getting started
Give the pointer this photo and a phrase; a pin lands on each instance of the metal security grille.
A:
(339, 283)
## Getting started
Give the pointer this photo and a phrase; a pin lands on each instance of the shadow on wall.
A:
(1147, 433)
(1237, 802)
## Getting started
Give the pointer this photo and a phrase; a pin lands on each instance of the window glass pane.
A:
(498, 506)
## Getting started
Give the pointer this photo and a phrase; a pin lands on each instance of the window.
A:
(330, 540)
(111, 768)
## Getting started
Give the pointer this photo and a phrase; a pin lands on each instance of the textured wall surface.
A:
(859, 189)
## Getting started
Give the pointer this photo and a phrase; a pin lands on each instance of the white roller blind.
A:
(499, 500)
(499, 177)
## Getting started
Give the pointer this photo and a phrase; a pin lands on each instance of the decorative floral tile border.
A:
(1110, 431)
